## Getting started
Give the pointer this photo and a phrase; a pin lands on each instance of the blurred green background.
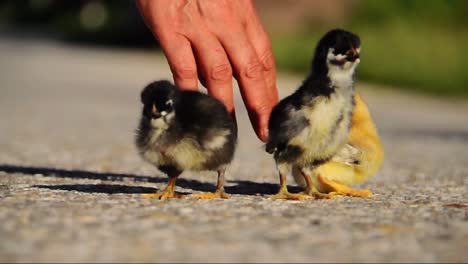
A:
(416, 45)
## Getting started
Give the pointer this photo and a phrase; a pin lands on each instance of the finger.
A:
(214, 67)
(261, 42)
(270, 95)
(249, 74)
(181, 60)
(262, 45)
(175, 46)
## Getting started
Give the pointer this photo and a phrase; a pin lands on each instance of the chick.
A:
(307, 128)
(185, 130)
(359, 159)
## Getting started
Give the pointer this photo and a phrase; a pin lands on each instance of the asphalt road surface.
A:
(71, 182)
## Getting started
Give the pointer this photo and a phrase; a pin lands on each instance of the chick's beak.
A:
(354, 56)
(154, 112)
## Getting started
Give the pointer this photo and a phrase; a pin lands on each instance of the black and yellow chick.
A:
(185, 130)
(307, 128)
(359, 159)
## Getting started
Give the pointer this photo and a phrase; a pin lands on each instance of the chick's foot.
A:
(164, 195)
(285, 195)
(341, 189)
(212, 195)
(319, 195)
(219, 193)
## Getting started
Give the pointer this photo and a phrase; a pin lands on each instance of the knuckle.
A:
(184, 72)
(253, 70)
(260, 107)
(270, 79)
(222, 72)
(267, 61)
(263, 109)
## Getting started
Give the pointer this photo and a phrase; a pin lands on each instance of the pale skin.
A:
(213, 41)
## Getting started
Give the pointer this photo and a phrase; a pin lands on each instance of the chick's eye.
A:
(169, 103)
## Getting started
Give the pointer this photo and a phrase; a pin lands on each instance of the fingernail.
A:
(264, 134)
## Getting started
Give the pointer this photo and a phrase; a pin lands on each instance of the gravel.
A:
(71, 180)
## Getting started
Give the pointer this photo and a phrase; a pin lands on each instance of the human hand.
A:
(214, 40)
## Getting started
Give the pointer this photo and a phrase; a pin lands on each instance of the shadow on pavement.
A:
(79, 174)
(99, 188)
(254, 188)
(241, 187)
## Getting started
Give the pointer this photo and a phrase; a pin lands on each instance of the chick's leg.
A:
(168, 192)
(283, 192)
(341, 189)
(310, 187)
(219, 193)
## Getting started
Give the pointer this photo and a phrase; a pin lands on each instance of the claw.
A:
(212, 195)
(284, 194)
(164, 195)
(319, 195)
(341, 189)
(360, 193)
(167, 193)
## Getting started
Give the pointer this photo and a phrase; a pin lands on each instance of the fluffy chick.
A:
(307, 128)
(185, 130)
(358, 160)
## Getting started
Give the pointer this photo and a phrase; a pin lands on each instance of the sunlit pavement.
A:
(71, 180)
